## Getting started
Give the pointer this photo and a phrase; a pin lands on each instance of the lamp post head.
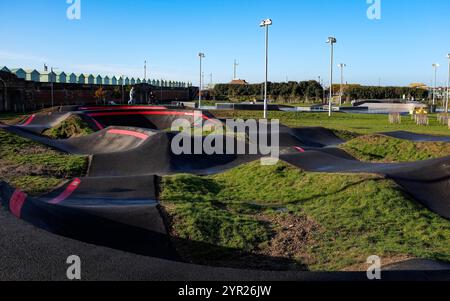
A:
(342, 65)
(201, 55)
(436, 65)
(266, 22)
(448, 56)
(331, 40)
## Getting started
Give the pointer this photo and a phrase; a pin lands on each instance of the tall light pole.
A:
(266, 23)
(235, 65)
(331, 41)
(448, 85)
(201, 56)
(342, 66)
(52, 74)
(123, 90)
(145, 71)
(435, 66)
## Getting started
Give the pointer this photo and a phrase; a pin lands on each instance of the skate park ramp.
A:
(122, 213)
(109, 140)
(155, 156)
(113, 213)
(148, 119)
(417, 137)
(426, 181)
(39, 122)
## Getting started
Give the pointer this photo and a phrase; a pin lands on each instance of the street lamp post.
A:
(448, 85)
(266, 23)
(342, 66)
(201, 56)
(123, 90)
(331, 41)
(52, 81)
(435, 66)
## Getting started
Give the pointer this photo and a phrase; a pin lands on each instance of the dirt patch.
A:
(293, 234)
(287, 250)
(10, 170)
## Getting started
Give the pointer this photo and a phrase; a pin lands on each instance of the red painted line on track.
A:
(141, 136)
(122, 108)
(100, 114)
(141, 113)
(16, 202)
(97, 124)
(299, 149)
(67, 192)
(29, 120)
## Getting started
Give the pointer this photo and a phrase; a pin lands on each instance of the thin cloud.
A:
(14, 56)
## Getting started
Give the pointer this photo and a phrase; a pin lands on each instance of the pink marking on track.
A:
(29, 120)
(122, 108)
(141, 136)
(97, 124)
(100, 114)
(67, 192)
(16, 202)
(299, 149)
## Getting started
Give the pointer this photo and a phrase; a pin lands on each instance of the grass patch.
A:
(73, 126)
(380, 148)
(361, 124)
(35, 168)
(350, 217)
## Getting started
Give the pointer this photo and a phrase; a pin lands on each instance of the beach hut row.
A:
(89, 79)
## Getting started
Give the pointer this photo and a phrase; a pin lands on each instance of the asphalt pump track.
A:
(112, 217)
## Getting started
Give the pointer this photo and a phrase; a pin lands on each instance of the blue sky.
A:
(116, 36)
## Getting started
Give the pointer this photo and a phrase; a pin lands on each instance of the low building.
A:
(61, 77)
(241, 82)
(20, 73)
(99, 80)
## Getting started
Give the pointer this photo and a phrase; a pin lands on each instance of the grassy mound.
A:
(380, 148)
(35, 168)
(73, 126)
(308, 220)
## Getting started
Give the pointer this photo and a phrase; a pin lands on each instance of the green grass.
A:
(380, 148)
(355, 123)
(36, 185)
(35, 168)
(73, 126)
(358, 215)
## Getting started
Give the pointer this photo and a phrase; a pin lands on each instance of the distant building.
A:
(238, 82)
(33, 75)
(99, 80)
(20, 73)
(89, 79)
(61, 77)
(84, 79)
(81, 79)
(73, 79)
(48, 77)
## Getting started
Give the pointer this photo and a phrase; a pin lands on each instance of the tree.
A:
(101, 94)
